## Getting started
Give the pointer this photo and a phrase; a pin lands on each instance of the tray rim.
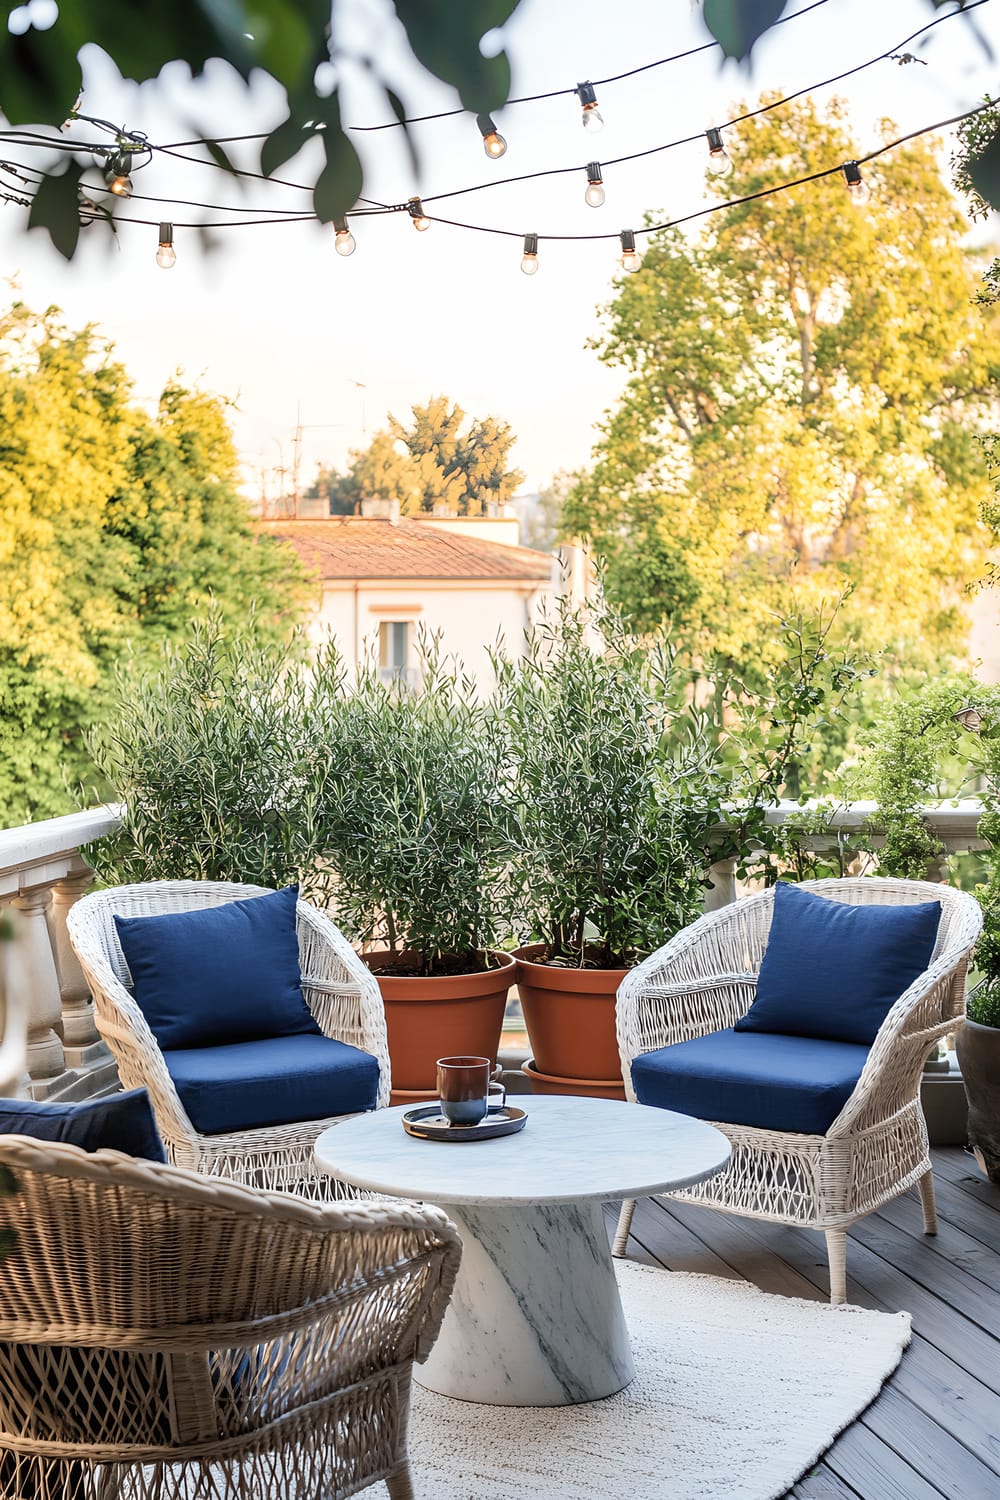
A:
(515, 1120)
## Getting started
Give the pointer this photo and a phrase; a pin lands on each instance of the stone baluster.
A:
(722, 891)
(31, 965)
(80, 1039)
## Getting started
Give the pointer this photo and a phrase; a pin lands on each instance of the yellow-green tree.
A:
(439, 461)
(806, 381)
(115, 529)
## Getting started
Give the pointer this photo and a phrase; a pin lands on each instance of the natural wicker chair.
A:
(338, 988)
(704, 980)
(165, 1335)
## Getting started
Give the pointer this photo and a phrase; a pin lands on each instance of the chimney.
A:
(377, 509)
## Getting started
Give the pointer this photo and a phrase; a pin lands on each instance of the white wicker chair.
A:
(165, 1335)
(705, 978)
(339, 989)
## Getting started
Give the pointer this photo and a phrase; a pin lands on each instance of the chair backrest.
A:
(175, 1280)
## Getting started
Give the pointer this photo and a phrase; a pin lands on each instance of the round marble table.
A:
(535, 1318)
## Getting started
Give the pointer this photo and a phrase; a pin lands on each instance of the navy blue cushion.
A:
(121, 1122)
(221, 974)
(793, 1083)
(834, 971)
(275, 1082)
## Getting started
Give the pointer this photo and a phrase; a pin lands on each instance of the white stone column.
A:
(31, 965)
(80, 1038)
(722, 891)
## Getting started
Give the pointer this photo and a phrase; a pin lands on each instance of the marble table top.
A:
(571, 1149)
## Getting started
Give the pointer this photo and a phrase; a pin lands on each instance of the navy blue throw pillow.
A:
(121, 1122)
(221, 974)
(834, 971)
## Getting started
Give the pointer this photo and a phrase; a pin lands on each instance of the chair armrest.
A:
(136, 1051)
(341, 991)
(931, 1008)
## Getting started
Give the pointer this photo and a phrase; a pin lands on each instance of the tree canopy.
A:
(115, 529)
(441, 461)
(806, 382)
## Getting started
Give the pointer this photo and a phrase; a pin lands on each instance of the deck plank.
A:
(933, 1430)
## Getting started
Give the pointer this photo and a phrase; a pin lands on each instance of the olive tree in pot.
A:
(414, 806)
(616, 794)
(978, 1041)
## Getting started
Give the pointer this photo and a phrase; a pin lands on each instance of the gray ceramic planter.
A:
(978, 1050)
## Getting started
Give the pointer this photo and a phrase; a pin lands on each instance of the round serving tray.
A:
(427, 1123)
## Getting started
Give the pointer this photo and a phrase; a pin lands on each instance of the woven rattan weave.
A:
(166, 1335)
(339, 989)
(705, 978)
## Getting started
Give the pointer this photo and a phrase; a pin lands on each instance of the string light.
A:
(493, 142)
(593, 120)
(857, 188)
(345, 243)
(116, 174)
(416, 211)
(850, 171)
(631, 259)
(166, 255)
(529, 260)
(595, 185)
(719, 160)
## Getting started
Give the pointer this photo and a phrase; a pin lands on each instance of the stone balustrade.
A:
(42, 873)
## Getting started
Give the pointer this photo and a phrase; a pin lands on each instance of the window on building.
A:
(393, 649)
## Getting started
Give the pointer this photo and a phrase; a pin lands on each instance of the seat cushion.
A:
(787, 1083)
(221, 974)
(121, 1122)
(834, 971)
(247, 1085)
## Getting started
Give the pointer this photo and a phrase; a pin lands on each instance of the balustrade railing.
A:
(42, 873)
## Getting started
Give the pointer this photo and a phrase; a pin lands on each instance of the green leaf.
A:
(339, 183)
(984, 172)
(445, 37)
(56, 208)
(399, 110)
(285, 141)
(737, 24)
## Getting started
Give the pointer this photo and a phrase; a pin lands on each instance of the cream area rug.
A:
(737, 1394)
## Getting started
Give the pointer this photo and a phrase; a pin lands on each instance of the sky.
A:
(299, 337)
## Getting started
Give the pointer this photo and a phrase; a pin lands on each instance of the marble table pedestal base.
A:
(535, 1318)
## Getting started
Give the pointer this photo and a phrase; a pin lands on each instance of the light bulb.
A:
(631, 259)
(416, 211)
(719, 160)
(529, 260)
(166, 255)
(117, 175)
(857, 188)
(593, 120)
(493, 142)
(595, 185)
(345, 243)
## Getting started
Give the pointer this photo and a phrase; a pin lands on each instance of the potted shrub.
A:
(414, 807)
(615, 797)
(978, 1041)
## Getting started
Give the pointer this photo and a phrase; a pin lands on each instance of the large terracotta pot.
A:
(570, 1017)
(978, 1049)
(452, 1015)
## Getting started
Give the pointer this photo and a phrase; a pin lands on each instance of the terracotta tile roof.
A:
(363, 547)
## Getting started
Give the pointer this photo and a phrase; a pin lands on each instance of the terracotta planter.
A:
(978, 1049)
(570, 1017)
(450, 1015)
(590, 1088)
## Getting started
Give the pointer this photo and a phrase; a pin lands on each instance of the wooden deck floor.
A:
(935, 1428)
